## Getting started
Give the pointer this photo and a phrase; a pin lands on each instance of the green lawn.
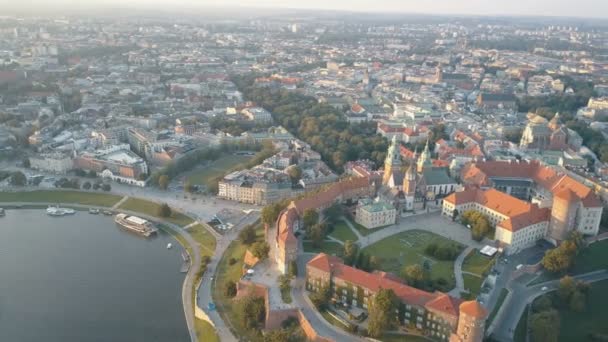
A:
(501, 299)
(226, 272)
(592, 258)
(407, 248)
(521, 330)
(476, 262)
(216, 168)
(576, 326)
(204, 238)
(205, 331)
(364, 231)
(286, 295)
(327, 247)
(472, 283)
(151, 209)
(61, 196)
(342, 232)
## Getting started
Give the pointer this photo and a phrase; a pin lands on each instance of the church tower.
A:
(409, 188)
(555, 122)
(392, 163)
(424, 161)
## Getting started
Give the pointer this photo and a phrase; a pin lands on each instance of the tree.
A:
(295, 173)
(270, 213)
(333, 213)
(248, 235)
(543, 303)
(106, 187)
(480, 229)
(577, 302)
(544, 326)
(26, 162)
(250, 311)
(18, 179)
(293, 269)
(317, 234)
(86, 185)
(260, 250)
(309, 218)
(163, 182)
(230, 289)
(320, 297)
(556, 260)
(415, 275)
(164, 210)
(381, 312)
(350, 252)
(566, 288)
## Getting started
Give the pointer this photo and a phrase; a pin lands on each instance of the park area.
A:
(342, 232)
(230, 268)
(151, 209)
(61, 196)
(209, 173)
(408, 248)
(475, 268)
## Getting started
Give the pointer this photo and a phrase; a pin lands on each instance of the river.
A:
(81, 278)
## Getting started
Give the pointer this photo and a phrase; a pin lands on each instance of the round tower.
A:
(563, 214)
(471, 322)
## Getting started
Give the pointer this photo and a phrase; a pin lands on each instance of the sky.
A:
(570, 8)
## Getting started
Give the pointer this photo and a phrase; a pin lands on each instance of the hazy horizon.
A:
(559, 8)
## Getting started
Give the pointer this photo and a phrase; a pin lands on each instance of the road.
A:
(522, 295)
(204, 295)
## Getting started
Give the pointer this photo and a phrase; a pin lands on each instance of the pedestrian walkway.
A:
(119, 203)
(458, 272)
(352, 227)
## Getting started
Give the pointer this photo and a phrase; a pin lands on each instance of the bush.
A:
(231, 261)
(230, 289)
(106, 187)
(164, 210)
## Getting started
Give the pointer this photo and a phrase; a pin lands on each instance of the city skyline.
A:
(557, 8)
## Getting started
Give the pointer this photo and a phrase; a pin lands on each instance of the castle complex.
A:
(534, 202)
(437, 315)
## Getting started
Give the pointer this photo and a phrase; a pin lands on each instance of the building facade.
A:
(375, 214)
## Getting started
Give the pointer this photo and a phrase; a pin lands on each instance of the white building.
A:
(375, 214)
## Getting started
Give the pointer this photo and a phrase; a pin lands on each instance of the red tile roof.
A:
(474, 309)
(373, 282)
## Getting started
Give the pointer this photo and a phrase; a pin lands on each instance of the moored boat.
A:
(135, 224)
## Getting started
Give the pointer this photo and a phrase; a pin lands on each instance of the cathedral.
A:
(409, 189)
(552, 135)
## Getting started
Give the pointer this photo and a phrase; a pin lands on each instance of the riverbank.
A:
(172, 225)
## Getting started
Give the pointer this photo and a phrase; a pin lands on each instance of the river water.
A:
(81, 278)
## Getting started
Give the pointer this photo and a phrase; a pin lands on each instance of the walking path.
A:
(352, 227)
(119, 203)
(458, 272)
(333, 239)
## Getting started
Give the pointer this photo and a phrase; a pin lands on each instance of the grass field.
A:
(205, 175)
(475, 262)
(407, 248)
(61, 196)
(327, 247)
(204, 238)
(151, 209)
(342, 232)
(576, 326)
(205, 331)
(364, 231)
(592, 258)
(521, 330)
(226, 272)
(472, 283)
